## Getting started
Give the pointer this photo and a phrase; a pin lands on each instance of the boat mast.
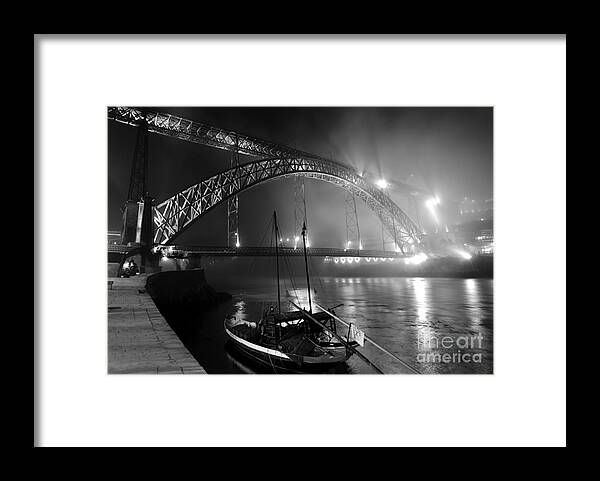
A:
(277, 260)
(306, 266)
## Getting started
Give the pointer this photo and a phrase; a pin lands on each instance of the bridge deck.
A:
(218, 251)
(283, 251)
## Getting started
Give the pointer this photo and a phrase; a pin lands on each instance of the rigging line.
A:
(315, 269)
(341, 339)
(408, 366)
(287, 264)
(273, 261)
(262, 241)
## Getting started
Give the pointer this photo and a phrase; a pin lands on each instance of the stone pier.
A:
(140, 341)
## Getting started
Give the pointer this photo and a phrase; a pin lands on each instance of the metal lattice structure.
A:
(200, 133)
(219, 251)
(174, 215)
(352, 227)
(233, 210)
(177, 213)
(138, 178)
(299, 206)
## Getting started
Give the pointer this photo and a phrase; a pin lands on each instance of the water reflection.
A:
(420, 292)
(473, 301)
(393, 311)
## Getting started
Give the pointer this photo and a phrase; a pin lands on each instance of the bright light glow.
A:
(464, 255)
(382, 184)
(296, 239)
(360, 245)
(125, 265)
(416, 260)
(237, 244)
(357, 259)
(431, 204)
(348, 244)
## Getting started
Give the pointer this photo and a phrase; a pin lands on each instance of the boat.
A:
(298, 340)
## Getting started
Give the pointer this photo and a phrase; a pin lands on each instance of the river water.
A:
(430, 325)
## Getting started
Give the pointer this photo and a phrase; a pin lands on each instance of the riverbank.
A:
(140, 341)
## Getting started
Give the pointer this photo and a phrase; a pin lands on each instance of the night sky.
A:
(446, 151)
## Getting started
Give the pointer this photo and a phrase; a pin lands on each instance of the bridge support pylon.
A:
(138, 222)
(233, 209)
(299, 207)
(352, 228)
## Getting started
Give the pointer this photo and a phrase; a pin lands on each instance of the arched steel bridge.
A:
(174, 215)
(177, 213)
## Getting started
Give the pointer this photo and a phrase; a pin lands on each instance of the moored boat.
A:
(297, 340)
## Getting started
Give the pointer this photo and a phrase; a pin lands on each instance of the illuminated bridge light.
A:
(382, 184)
(416, 260)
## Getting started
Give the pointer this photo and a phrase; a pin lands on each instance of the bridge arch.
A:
(173, 216)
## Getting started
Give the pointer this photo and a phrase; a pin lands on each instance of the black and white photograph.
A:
(300, 240)
(241, 238)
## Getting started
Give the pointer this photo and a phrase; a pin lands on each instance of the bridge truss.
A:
(200, 133)
(266, 161)
(175, 214)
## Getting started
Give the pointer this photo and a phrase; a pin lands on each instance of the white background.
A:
(523, 403)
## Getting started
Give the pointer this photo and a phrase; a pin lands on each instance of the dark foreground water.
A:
(434, 325)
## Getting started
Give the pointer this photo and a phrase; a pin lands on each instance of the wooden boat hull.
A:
(280, 361)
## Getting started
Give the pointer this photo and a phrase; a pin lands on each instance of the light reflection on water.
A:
(394, 312)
